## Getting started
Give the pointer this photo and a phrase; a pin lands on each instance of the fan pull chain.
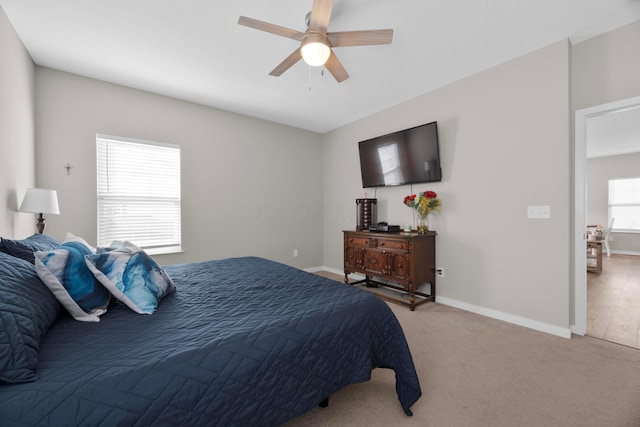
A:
(321, 75)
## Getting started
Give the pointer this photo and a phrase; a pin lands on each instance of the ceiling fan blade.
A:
(320, 16)
(287, 63)
(270, 28)
(360, 38)
(336, 68)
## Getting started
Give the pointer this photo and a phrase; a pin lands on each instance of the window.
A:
(624, 204)
(139, 193)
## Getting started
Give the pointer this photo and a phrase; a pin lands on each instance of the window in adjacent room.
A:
(139, 193)
(624, 204)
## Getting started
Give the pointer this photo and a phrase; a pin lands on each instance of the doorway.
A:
(582, 118)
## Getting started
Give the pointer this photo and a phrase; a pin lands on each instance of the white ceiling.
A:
(195, 50)
(614, 133)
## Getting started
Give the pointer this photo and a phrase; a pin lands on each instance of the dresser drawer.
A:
(399, 245)
(358, 241)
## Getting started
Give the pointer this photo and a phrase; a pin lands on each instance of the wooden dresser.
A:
(404, 262)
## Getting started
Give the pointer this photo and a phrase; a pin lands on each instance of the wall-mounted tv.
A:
(408, 156)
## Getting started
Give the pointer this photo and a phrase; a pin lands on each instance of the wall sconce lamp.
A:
(40, 201)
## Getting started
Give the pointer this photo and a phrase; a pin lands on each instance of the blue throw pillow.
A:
(27, 310)
(25, 248)
(66, 274)
(132, 276)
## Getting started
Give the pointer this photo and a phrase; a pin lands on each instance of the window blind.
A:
(624, 203)
(139, 193)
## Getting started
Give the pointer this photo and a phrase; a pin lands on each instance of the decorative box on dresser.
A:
(405, 261)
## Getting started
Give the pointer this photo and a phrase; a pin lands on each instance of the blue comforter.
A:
(243, 341)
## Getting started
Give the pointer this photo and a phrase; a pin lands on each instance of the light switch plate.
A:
(539, 212)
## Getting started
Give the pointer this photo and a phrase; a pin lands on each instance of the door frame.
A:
(580, 203)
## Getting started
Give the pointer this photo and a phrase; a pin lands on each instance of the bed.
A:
(241, 341)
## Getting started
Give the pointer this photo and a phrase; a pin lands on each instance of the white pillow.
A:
(65, 272)
(132, 276)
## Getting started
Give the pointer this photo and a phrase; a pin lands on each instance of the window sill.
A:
(165, 251)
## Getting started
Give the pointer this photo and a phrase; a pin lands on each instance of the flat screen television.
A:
(408, 156)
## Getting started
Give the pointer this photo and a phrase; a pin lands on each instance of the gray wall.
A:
(506, 140)
(505, 144)
(17, 145)
(606, 68)
(249, 187)
(599, 172)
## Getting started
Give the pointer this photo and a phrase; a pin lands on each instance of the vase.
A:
(423, 227)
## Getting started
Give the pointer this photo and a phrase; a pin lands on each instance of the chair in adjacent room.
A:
(607, 235)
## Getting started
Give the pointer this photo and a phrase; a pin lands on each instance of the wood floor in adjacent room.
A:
(613, 301)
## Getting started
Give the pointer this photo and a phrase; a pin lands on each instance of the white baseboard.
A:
(577, 331)
(510, 318)
(625, 252)
(494, 314)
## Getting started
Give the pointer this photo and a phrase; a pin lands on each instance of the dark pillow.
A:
(27, 310)
(25, 248)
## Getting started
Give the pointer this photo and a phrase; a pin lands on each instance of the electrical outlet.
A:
(440, 271)
(295, 253)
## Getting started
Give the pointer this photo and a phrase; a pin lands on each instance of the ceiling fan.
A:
(316, 43)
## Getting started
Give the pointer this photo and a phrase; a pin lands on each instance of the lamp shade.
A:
(40, 200)
(315, 50)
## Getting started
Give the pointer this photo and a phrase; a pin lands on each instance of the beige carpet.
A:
(476, 371)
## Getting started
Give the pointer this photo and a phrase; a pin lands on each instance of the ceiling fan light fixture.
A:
(316, 44)
(315, 50)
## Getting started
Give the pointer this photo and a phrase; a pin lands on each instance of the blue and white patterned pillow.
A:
(66, 274)
(132, 276)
